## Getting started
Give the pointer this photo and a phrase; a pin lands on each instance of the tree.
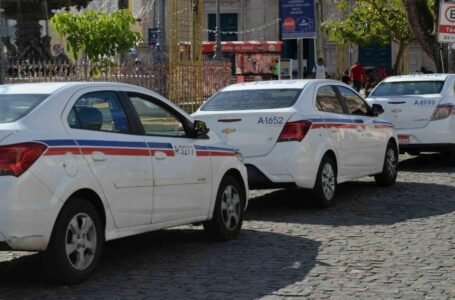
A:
(99, 35)
(423, 17)
(372, 22)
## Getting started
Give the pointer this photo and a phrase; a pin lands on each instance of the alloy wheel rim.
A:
(328, 181)
(391, 162)
(230, 207)
(80, 241)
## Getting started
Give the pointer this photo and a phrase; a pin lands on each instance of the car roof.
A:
(49, 87)
(275, 84)
(418, 77)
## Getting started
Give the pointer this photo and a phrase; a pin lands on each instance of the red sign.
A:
(447, 28)
(289, 24)
(244, 47)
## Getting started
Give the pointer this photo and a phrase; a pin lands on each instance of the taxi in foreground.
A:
(304, 133)
(84, 163)
(421, 108)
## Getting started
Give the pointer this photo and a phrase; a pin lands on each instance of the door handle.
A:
(160, 155)
(98, 156)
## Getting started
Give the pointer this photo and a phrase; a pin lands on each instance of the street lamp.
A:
(218, 54)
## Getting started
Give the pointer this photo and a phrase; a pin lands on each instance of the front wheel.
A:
(326, 183)
(76, 243)
(389, 173)
(228, 212)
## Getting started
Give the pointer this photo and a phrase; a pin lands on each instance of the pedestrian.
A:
(345, 78)
(356, 76)
(319, 70)
(276, 69)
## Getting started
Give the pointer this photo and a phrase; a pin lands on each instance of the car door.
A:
(182, 175)
(120, 160)
(340, 127)
(371, 139)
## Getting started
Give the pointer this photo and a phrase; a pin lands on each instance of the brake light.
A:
(16, 159)
(442, 111)
(294, 131)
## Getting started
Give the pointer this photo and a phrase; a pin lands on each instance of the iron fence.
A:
(154, 75)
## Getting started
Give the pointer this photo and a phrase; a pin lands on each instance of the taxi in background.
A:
(85, 163)
(309, 134)
(421, 108)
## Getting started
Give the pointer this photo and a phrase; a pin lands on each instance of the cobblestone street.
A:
(376, 243)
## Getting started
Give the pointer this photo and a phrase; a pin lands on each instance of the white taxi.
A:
(84, 163)
(304, 133)
(421, 107)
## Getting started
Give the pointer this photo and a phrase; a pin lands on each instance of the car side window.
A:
(327, 100)
(100, 111)
(156, 119)
(355, 104)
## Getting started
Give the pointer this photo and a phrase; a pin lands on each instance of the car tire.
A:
(76, 244)
(324, 190)
(389, 173)
(227, 216)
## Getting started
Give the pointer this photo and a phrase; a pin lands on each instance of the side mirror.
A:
(377, 109)
(200, 128)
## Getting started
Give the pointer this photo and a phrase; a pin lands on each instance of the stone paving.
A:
(377, 243)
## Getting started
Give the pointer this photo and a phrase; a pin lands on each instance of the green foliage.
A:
(370, 22)
(98, 35)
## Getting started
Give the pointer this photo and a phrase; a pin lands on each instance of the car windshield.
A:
(15, 106)
(408, 88)
(252, 99)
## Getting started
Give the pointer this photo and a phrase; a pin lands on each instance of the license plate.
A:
(403, 139)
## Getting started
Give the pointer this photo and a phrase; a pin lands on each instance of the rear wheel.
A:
(76, 244)
(326, 183)
(228, 212)
(389, 173)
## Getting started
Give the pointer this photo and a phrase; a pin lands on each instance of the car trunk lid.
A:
(408, 112)
(254, 133)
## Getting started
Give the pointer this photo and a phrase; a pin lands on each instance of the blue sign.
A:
(153, 37)
(297, 19)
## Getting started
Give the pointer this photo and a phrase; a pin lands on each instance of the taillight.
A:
(442, 111)
(294, 131)
(16, 159)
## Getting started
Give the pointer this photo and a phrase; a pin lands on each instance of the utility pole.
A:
(218, 55)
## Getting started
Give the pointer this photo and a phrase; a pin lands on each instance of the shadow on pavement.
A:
(428, 163)
(177, 264)
(359, 203)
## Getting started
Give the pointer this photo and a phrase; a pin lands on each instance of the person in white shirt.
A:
(319, 70)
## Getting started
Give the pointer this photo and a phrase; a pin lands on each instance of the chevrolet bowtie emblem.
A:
(228, 130)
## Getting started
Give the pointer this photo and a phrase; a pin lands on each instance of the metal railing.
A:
(150, 74)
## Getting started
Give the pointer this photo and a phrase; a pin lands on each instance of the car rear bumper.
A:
(289, 164)
(27, 212)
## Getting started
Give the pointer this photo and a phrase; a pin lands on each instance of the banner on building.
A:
(446, 28)
(153, 37)
(297, 19)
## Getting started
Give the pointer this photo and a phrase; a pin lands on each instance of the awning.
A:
(244, 47)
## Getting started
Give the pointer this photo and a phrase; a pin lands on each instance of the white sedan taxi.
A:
(422, 110)
(304, 133)
(84, 163)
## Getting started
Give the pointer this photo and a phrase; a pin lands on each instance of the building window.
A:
(228, 22)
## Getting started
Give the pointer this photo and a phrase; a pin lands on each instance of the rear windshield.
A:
(408, 88)
(16, 106)
(252, 100)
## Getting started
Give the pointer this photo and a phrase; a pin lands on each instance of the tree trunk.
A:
(422, 24)
(401, 48)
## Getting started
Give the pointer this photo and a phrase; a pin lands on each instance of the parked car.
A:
(79, 165)
(304, 133)
(421, 108)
